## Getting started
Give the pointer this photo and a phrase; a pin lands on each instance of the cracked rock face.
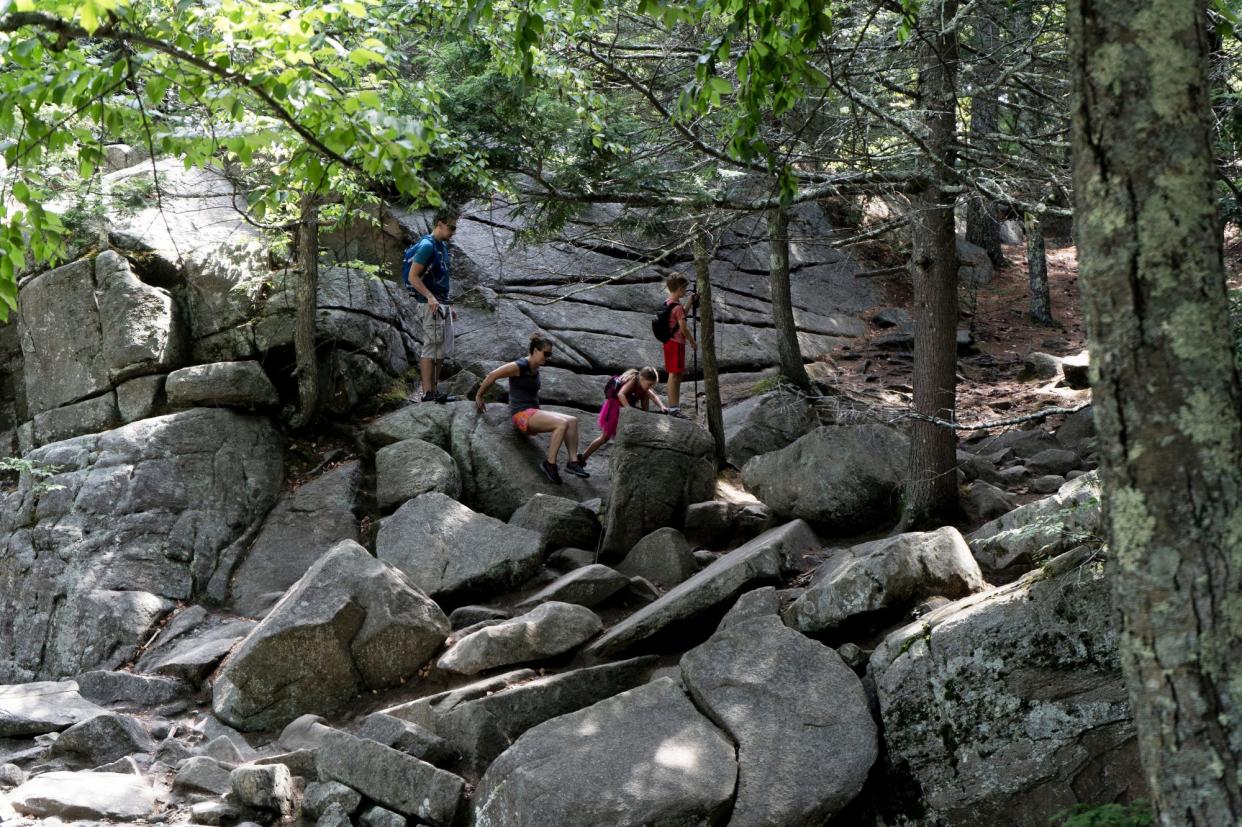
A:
(1009, 706)
(140, 521)
(352, 622)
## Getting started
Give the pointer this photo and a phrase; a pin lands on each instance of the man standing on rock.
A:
(427, 273)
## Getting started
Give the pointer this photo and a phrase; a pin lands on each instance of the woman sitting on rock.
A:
(523, 376)
(633, 389)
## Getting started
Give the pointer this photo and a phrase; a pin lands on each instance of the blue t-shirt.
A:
(437, 268)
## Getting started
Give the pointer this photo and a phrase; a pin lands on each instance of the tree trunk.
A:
(707, 343)
(1037, 270)
(1166, 393)
(307, 308)
(788, 351)
(982, 227)
(932, 495)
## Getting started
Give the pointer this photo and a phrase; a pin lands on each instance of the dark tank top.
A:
(523, 388)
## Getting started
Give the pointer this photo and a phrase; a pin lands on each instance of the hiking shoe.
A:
(429, 396)
(582, 460)
(576, 469)
(550, 471)
(676, 412)
(443, 398)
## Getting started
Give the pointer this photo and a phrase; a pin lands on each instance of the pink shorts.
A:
(521, 419)
(609, 416)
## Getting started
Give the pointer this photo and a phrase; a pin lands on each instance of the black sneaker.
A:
(582, 460)
(676, 413)
(443, 398)
(550, 471)
(576, 469)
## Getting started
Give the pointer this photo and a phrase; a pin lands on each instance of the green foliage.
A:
(1137, 814)
(36, 472)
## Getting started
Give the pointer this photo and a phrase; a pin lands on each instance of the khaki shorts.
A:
(436, 330)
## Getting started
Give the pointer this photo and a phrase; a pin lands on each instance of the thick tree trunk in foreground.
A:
(1165, 390)
(787, 348)
(707, 344)
(1037, 270)
(307, 308)
(932, 494)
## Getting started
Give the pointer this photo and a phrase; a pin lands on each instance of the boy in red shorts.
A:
(675, 347)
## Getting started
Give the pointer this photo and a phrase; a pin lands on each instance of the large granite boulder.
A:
(1009, 706)
(106, 737)
(790, 704)
(480, 720)
(765, 423)
(895, 573)
(847, 478)
(86, 795)
(663, 557)
(227, 384)
(761, 560)
(142, 519)
(660, 465)
(411, 467)
(549, 629)
(351, 623)
(302, 526)
(646, 756)
(586, 586)
(446, 548)
(44, 706)
(1021, 539)
(142, 332)
(560, 522)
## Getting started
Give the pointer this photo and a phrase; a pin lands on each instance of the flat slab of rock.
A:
(351, 623)
(549, 629)
(130, 690)
(1009, 706)
(587, 586)
(221, 384)
(411, 467)
(446, 548)
(790, 704)
(92, 795)
(893, 573)
(194, 653)
(480, 720)
(398, 781)
(646, 756)
(845, 477)
(44, 706)
(762, 559)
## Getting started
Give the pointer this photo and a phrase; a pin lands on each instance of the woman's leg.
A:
(571, 437)
(546, 422)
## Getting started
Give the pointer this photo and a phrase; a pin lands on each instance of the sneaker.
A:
(443, 398)
(550, 471)
(676, 412)
(576, 469)
(582, 460)
(428, 396)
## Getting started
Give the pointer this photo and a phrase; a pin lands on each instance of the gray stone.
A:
(406, 736)
(136, 764)
(1040, 366)
(301, 762)
(85, 795)
(322, 794)
(974, 265)
(304, 732)
(568, 559)
(762, 559)
(221, 384)
(142, 519)
(998, 724)
(139, 323)
(446, 548)
(789, 704)
(350, 623)
(1047, 484)
(480, 720)
(651, 758)
(765, 423)
(130, 690)
(214, 812)
(1056, 461)
(547, 630)
(464, 616)
(201, 774)
(46, 706)
(846, 478)
(587, 586)
(977, 467)
(267, 787)
(662, 557)
(224, 749)
(334, 816)
(411, 467)
(90, 416)
(1077, 370)
(894, 317)
(1078, 430)
(1024, 443)
(171, 751)
(893, 573)
(11, 776)
(722, 524)
(304, 524)
(102, 739)
(393, 779)
(379, 817)
(559, 522)
(660, 465)
(193, 655)
(1014, 476)
(1019, 540)
(985, 501)
(762, 602)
